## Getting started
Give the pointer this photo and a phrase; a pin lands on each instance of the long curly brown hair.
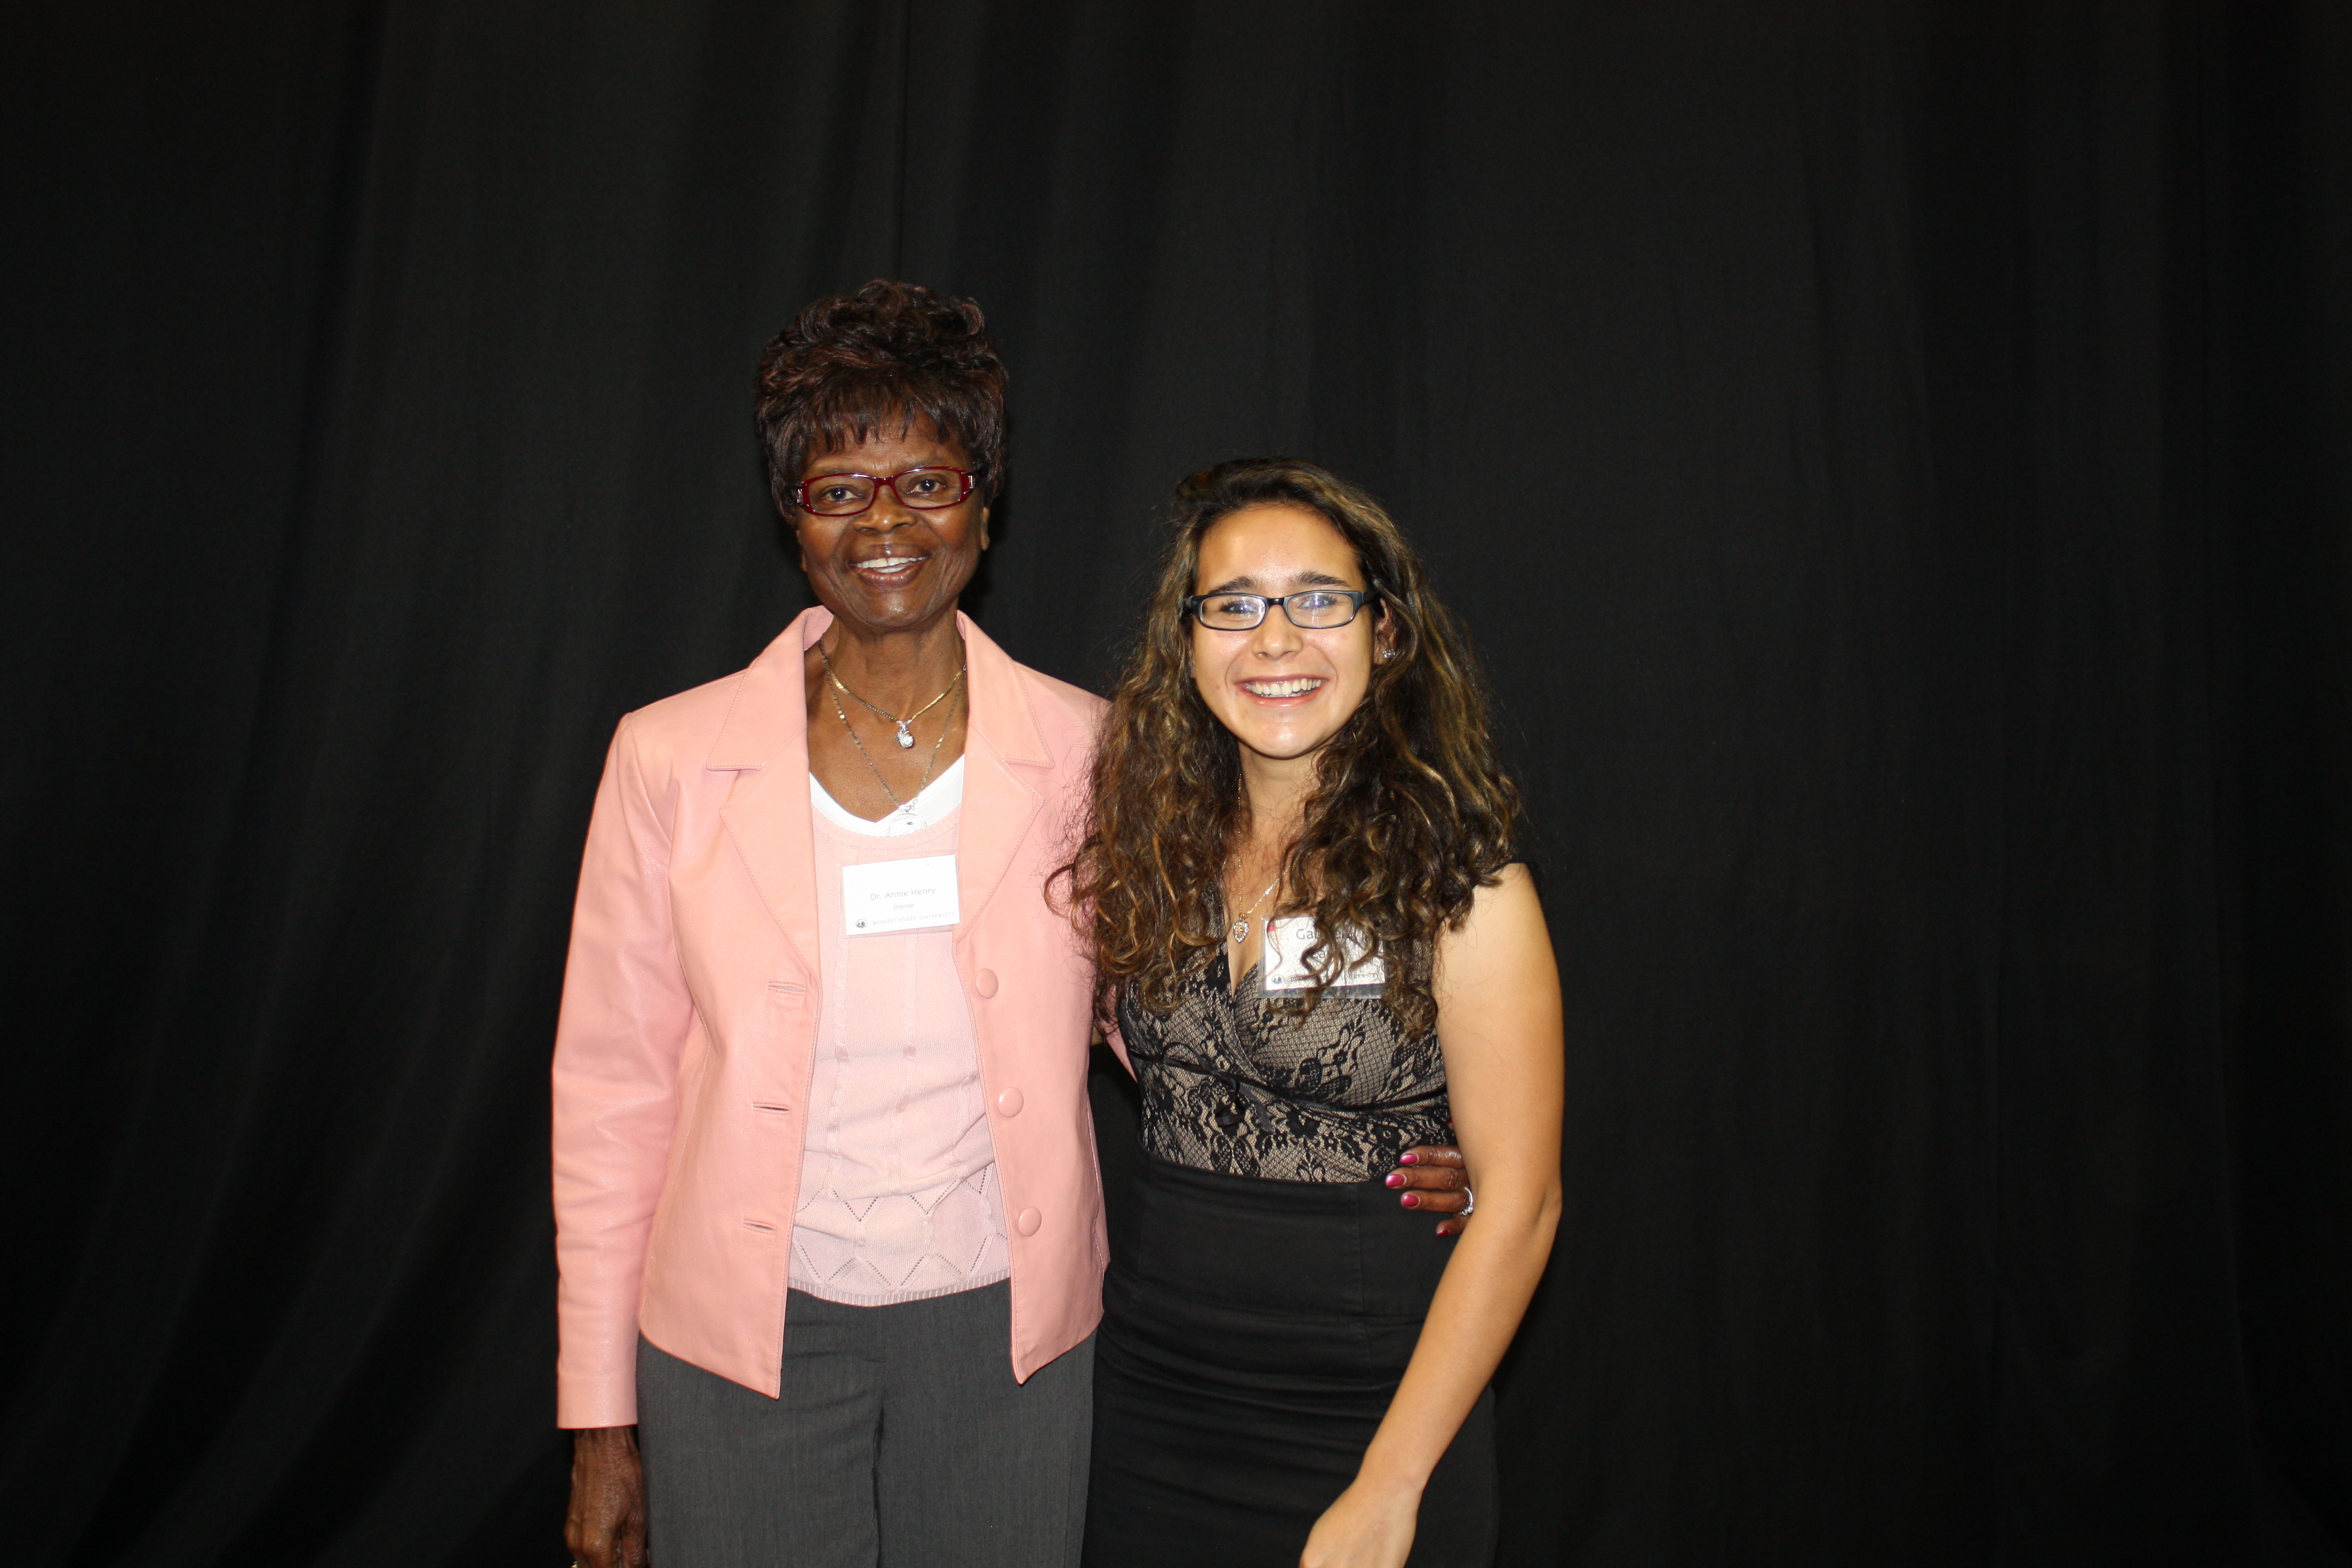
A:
(1408, 816)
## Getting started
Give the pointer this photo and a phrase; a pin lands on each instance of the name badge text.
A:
(1286, 942)
(899, 895)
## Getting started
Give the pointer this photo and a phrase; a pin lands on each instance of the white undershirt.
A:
(943, 796)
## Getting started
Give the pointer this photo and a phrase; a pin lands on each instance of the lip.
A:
(1314, 684)
(888, 569)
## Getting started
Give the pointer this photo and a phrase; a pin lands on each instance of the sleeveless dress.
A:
(1256, 1329)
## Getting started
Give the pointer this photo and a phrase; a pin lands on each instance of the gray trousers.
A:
(901, 1441)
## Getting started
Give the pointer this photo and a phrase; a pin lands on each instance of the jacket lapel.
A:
(767, 816)
(1000, 805)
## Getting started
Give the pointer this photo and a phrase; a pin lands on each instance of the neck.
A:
(1276, 791)
(896, 671)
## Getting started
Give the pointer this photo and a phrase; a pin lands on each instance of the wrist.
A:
(605, 1437)
(1391, 1475)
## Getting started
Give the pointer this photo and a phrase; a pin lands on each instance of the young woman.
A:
(1317, 951)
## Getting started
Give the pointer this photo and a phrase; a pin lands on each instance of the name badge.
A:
(1286, 942)
(899, 895)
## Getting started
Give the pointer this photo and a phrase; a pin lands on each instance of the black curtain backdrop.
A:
(1935, 706)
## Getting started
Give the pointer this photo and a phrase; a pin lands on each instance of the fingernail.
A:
(1408, 1159)
(1411, 1200)
(1396, 1178)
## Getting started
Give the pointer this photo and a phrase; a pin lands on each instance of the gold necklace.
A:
(906, 737)
(899, 807)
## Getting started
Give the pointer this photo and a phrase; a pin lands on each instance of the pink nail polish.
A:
(1396, 1178)
(1411, 1200)
(1408, 1159)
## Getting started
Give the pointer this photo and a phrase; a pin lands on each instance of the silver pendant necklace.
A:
(1239, 931)
(906, 737)
(905, 808)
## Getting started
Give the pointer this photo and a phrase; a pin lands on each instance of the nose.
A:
(1274, 637)
(887, 513)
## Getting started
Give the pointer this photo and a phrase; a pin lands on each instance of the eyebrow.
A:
(1309, 579)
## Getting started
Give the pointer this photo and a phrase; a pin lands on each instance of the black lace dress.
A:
(1257, 1322)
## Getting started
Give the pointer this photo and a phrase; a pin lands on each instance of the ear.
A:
(1384, 638)
(984, 528)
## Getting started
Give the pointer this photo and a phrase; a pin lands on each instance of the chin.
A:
(900, 607)
(1283, 748)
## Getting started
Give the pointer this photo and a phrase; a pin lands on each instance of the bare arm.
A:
(1498, 1021)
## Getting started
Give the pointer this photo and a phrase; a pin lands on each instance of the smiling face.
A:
(1283, 691)
(893, 567)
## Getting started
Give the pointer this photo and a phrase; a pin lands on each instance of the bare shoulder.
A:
(1502, 940)
(1509, 905)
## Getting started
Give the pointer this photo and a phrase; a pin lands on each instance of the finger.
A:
(603, 1532)
(1454, 1226)
(1436, 1190)
(1441, 1200)
(1444, 1154)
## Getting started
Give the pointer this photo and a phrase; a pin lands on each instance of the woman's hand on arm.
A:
(1499, 1020)
(605, 1526)
(1430, 1178)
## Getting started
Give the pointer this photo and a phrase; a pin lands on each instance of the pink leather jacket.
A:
(683, 1054)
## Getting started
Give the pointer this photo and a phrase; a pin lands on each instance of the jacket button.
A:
(1028, 1222)
(984, 982)
(1009, 1103)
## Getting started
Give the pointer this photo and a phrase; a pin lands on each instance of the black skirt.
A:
(1253, 1334)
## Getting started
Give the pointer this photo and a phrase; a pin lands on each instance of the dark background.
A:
(1935, 704)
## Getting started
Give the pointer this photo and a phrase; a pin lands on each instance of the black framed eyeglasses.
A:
(928, 489)
(1309, 609)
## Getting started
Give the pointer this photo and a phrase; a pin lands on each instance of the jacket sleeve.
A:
(624, 1021)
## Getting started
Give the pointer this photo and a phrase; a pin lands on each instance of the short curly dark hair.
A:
(891, 354)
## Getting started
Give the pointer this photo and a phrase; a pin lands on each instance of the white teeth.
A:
(1299, 686)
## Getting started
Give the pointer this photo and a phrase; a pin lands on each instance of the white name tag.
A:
(1286, 942)
(899, 895)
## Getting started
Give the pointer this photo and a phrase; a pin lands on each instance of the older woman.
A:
(1320, 952)
(828, 1219)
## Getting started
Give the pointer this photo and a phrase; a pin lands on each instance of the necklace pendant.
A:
(906, 741)
(1240, 933)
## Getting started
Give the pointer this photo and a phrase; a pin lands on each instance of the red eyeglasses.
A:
(929, 489)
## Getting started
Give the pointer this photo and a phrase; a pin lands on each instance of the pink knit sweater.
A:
(898, 1193)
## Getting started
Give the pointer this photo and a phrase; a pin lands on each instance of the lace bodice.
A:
(1233, 1085)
